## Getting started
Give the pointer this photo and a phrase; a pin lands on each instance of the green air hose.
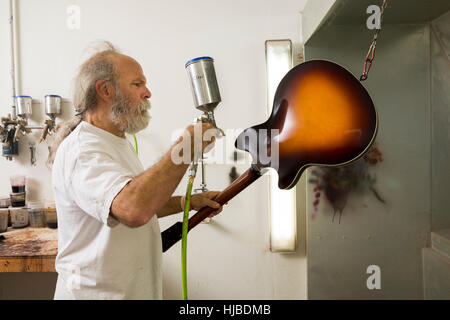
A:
(135, 143)
(187, 206)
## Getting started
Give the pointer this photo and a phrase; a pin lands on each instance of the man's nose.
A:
(147, 93)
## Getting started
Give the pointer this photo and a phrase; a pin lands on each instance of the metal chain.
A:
(371, 53)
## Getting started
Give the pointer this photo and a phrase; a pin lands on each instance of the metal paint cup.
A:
(52, 104)
(205, 89)
(23, 106)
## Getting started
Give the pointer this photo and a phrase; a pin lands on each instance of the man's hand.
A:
(204, 199)
(199, 138)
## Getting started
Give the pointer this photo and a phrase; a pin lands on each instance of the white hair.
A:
(100, 66)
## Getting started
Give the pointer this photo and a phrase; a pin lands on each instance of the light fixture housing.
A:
(283, 212)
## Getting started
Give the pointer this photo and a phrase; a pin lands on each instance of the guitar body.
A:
(321, 115)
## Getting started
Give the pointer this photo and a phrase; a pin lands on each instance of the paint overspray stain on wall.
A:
(335, 184)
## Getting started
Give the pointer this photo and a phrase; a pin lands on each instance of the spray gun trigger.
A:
(209, 117)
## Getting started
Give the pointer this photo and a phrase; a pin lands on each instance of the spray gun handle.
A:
(44, 133)
(209, 117)
(17, 133)
(213, 122)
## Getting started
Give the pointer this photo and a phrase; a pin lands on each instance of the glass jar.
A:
(5, 202)
(18, 199)
(4, 215)
(36, 212)
(50, 214)
(19, 216)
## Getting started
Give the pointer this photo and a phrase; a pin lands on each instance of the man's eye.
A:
(137, 84)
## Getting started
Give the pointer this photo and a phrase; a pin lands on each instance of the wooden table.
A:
(28, 250)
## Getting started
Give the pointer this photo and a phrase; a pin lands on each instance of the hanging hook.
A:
(371, 53)
(369, 58)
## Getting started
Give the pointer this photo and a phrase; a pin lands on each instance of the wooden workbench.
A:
(28, 250)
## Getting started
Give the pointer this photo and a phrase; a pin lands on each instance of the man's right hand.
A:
(201, 137)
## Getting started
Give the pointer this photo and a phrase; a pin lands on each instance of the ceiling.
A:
(397, 11)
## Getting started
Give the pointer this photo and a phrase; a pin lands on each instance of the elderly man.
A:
(109, 244)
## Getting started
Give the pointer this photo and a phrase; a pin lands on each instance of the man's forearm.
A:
(172, 206)
(149, 192)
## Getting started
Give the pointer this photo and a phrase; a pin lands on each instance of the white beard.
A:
(127, 121)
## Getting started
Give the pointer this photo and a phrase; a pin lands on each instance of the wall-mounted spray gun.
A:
(15, 125)
(52, 110)
(206, 95)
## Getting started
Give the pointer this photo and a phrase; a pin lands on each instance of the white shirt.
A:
(98, 257)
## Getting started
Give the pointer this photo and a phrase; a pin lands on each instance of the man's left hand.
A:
(204, 199)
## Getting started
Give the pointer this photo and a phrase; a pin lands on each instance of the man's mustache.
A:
(144, 105)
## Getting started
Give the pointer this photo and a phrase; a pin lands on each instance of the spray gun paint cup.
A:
(52, 105)
(23, 106)
(17, 183)
(202, 77)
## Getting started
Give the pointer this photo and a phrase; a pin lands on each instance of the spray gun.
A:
(16, 124)
(52, 110)
(206, 95)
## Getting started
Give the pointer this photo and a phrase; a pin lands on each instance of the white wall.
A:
(230, 258)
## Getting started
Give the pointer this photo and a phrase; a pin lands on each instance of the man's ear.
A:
(105, 90)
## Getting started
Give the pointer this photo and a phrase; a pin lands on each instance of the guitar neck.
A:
(244, 180)
(172, 235)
